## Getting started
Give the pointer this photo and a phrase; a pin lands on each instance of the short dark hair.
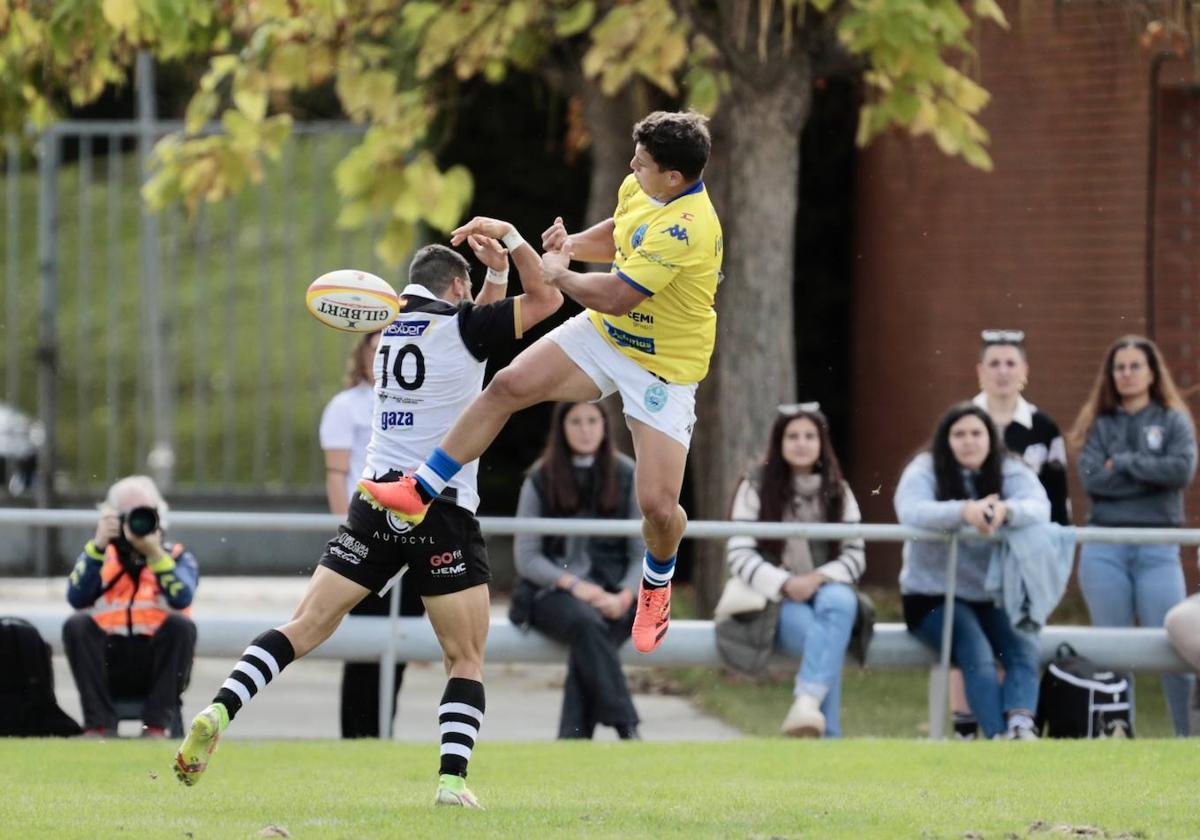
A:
(676, 140)
(436, 266)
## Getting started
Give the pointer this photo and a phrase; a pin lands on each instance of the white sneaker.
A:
(804, 718)
(1020, 728)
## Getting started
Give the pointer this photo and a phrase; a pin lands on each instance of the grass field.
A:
(751, 789)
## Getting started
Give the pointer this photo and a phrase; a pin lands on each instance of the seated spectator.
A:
(1028, 433)
(344, 433)
(131, 636)
(800, 480)
(967, 478)
(581, 590)
(1138, 456)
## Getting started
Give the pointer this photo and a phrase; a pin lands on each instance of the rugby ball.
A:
(352, 301)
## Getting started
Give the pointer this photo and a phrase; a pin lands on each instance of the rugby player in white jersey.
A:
(429, 366)
(648, 332)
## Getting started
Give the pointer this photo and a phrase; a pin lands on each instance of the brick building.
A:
(1083, 232)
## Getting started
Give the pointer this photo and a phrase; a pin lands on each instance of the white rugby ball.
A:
(352, 301)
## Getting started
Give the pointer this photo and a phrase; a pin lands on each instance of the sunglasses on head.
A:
(796, 408)
(1003, 336)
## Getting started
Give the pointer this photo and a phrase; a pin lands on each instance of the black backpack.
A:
(27, 704)
(1079, 700)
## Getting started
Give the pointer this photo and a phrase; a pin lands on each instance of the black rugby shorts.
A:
(444, 554)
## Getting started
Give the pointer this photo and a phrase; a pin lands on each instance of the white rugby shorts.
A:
(669, 408)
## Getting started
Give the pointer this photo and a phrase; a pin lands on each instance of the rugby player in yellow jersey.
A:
(648, 333)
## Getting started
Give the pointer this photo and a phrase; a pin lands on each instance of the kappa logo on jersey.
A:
(408, 329)
(448, 563)
(656, 398)
(638, 236)
(678, 232)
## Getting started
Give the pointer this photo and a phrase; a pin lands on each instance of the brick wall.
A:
(1052, 242)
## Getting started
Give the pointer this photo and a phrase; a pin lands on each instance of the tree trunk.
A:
(755, 180)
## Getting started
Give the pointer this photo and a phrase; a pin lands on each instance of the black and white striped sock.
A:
(460, 716)
(267, 655)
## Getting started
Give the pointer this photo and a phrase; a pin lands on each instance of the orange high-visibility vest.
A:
(128, 609)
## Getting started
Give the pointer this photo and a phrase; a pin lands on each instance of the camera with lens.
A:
(140, 521)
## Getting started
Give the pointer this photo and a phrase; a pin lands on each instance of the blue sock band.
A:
(442, 464)
(660, 567)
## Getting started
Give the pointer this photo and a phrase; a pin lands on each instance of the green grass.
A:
(752, 788)
(249, 369)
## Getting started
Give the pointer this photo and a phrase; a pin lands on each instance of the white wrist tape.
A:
(512, 240)
(500, 278)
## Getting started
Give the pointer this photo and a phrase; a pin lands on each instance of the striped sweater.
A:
(799, 556)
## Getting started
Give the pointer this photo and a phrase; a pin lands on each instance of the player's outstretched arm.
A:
(491, 253)
(602, 291)
(592, 245)
(539, 300)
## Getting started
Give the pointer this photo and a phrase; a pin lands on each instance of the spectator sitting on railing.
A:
(132, 635)
(800, 480)
(1138, 456)
(345, 432)
(580, 590)
(967, 478)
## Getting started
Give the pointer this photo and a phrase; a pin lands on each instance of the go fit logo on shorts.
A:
(448, 563)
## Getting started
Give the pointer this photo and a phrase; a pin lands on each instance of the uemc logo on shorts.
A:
(448, 563)
(410, 329)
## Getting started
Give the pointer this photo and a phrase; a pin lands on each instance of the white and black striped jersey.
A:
(428, 369)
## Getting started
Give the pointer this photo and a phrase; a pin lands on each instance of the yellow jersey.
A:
(671, 252)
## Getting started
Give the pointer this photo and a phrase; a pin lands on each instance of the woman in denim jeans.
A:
(967, 479)
(800, 480)
(1138, 455)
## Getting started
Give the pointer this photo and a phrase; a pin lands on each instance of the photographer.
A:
(131, 636)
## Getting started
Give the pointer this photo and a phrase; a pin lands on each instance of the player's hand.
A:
(481, 225)
(489, 251)
(801, 588)
(555, 236)
(149, 546)
(554, 265)
(106, 530)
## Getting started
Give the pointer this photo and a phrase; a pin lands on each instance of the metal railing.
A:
(504, 526)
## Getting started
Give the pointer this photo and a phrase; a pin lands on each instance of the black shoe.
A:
(628, 732)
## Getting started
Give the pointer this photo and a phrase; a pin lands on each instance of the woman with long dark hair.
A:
(1138, 455)
(967, 478)
(800, 480)
(580, 590)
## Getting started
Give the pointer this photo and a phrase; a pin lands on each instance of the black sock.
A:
(267, 655)
(460, 715)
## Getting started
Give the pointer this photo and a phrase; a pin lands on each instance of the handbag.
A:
(745, 622)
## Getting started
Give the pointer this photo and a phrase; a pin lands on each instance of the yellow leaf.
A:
(575, 19)
(353, 215)
(200, 110)
(396, 243)
(288, 66)
(121, 15)
(250, 94)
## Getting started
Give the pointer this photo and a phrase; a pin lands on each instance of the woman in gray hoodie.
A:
(968, 479)
(1138, 456)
